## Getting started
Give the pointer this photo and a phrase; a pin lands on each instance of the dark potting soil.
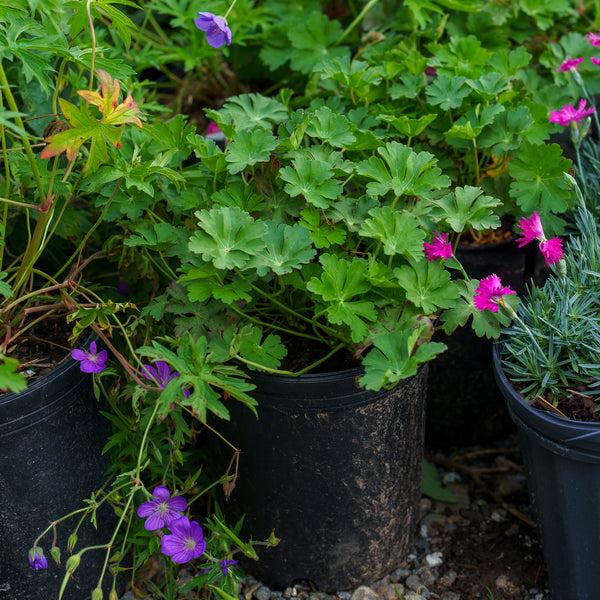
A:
(41, 348)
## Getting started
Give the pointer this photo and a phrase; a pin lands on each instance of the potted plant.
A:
(63, 122)
(546, 369)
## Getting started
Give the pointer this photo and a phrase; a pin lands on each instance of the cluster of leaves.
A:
(553, 345)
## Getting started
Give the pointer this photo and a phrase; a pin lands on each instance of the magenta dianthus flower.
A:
(37, 560)
(440, 248)
(185, 542)
(552, 250)
(531, 228)
(490, 293)
(568, 114)
(570, 64)
(595, 60)
(92, 361)
(594, 38)
(162, 510)
(216, 28)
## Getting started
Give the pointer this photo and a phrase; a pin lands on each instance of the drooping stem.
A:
(356, 21)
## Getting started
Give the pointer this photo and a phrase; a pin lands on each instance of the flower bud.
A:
(73, 562)
(71, 542)
(113, 595)
(37, 560)
(97, 594)
(55, 552)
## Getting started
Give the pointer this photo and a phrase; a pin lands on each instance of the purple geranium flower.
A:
(185, 541)
(161, 375)
(92, 361)
(162, 510)
(217, 31)
(37, 560)
(225, 565)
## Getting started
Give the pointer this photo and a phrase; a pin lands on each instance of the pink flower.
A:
(552, 250)
(594, 39)
(531, 228)
(490, 293)
(440, 248)
(567, 114)
(570, 64)
(595, 60)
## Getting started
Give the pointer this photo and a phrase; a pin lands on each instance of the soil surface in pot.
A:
(483, 546)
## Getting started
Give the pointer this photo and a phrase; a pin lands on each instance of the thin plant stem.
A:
(356, 21)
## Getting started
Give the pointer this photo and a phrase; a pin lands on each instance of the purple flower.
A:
(123, 288)
(161, 375)
(37, 560)
(92, 361)
(225, 565)
(217, 31)
(162, 510)
(185, 541)
(570, 64)
(568, 114)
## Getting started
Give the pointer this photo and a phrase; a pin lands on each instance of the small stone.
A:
(447, 579)
(399, 575)
(413, 582)
(428, 576)
(507, 587)
(450, 596)
(498, 515)
(434, 559)
(344, 595)
(365, 593)
(262, 593)
(289, 592)
(276, 595)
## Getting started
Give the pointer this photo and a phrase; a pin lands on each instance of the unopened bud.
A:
(73, 562)
(55, 552)
(97, 594)
(113, 595)
(71, 542)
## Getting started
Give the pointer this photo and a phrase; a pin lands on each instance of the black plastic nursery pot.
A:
(464, 406)
(562, 463)
(51, 439)
(334, 470)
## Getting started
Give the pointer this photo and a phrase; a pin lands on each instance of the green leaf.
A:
(465, 208)
(330, 127)
(248, 148)
(507, 131)
(9, 378)
(402, 171)
(490, 85)
(248, 111)
(267, 353)
(473, 122)
(399, 232)
(431, 484)
(396, 356)
(323, 234)
(340, 282)
(448, 92)
(228, 237)
(427, 285)
(539, 178)
(407, 126)
(313, 41)
(287, 247)
(311, 179)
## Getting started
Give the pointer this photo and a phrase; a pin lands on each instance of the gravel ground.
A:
(483, 546)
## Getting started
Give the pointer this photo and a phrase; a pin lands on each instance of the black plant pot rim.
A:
(579, 436)
(331, 391)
